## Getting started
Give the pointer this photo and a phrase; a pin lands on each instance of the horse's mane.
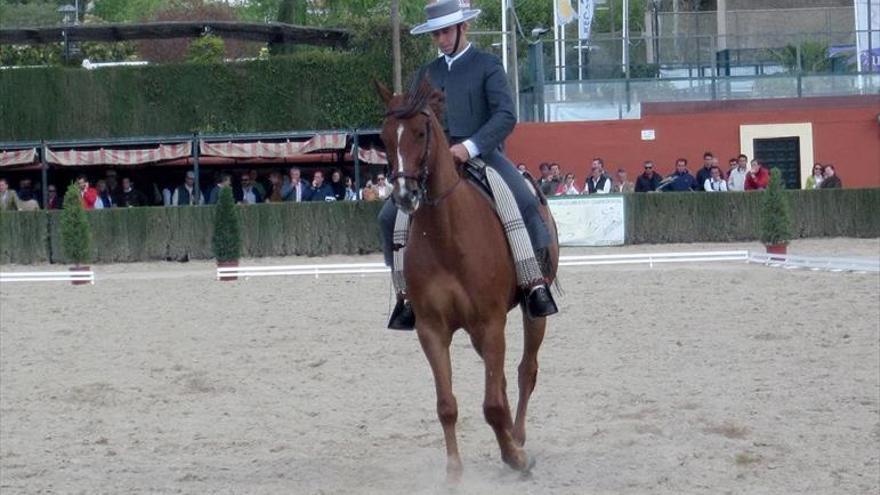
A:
(416, 99)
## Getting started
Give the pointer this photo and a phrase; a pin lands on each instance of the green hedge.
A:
(310, 89)
(317, 229)
(691, 217)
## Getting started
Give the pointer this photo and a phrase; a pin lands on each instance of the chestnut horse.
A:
(459, 270)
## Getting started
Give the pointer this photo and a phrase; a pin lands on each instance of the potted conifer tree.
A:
(76, 234)
(226, 242)
(775, 216)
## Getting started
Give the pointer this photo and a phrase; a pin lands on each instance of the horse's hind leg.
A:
(533, 336)
(436, 347)
(495, 406)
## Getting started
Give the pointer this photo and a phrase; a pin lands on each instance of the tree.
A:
(775, 212)
(206, 50)
(175, 50)
(226, 243)
(289, 12)
(76, 234)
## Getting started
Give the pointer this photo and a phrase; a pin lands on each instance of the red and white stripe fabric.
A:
(285, 149)
(18, 157)
(104, 156)
(372, 155)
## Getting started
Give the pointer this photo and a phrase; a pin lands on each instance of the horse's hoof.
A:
(454, 471)
(519, 461)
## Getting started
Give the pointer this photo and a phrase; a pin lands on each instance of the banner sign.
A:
(585, 18)
(589, 220)
(868, 22)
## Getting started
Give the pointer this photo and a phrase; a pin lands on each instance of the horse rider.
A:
(480, 115)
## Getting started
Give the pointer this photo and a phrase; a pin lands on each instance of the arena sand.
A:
(724, 378)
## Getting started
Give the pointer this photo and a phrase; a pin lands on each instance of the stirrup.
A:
(539, 302)
(402, 317)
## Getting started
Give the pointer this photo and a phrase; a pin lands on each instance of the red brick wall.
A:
(846, 132)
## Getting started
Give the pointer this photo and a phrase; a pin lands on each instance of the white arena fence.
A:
(73, 276)
(833, 264)
(861, 265)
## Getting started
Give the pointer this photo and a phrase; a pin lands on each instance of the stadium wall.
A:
(845, 131)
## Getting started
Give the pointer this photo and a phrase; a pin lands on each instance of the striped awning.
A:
(275, 149)
(372, 155)
(18, 157)
(109, 156)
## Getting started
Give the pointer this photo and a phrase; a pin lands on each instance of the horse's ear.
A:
(383, 91)
(437, 102)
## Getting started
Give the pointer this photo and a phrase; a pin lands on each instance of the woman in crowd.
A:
(567, 187)
(815, 180)
(350, 192)
(337, 185)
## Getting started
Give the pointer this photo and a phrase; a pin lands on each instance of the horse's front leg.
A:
(533, 336)
(495, 405)
(435, 342)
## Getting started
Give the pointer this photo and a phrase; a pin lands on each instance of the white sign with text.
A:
(589, 220)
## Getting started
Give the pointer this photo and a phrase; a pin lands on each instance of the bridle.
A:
(422, 178)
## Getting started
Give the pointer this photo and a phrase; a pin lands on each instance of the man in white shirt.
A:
(736, 180)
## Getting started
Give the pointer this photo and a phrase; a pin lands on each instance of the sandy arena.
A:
(681, 379)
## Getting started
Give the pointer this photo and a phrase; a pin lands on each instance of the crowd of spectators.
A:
(248, 188)
(276, 187)
(741, 175)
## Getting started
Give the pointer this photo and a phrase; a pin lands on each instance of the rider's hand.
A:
(460, 153)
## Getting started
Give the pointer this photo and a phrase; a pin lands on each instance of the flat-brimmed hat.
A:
(443, 14)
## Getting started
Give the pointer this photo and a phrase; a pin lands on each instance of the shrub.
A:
(76, 235)
(226, 242)
(775, 212)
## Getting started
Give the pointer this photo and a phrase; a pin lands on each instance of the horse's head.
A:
(410, 141)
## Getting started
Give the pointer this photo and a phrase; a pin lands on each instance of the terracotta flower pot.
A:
(79, 269)
(776, 249)
(228, 264)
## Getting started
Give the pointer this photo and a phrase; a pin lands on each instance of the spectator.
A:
(350, 192)
(337, 185)
(620, 184)
(255, 182)
(705, 171)
(88, 194)
(715, 182)
(276, 185)
(814, 181)
(248, 194)
(105, 199)
(831, 180)
(736, 178)
(185, 194)
(8, 198)
(382, 187)
(553, 180)
(544, 169)
(25, 190)
(129, 196)
(318, 190)
(223, 180)
(680, 180)
(758, 177)
(368, 192)
(522, 168)
(27, 201)
(113, 189)
(597, 182)
(649, 180)
(294, 186)
(567, 188)
(54, 201)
